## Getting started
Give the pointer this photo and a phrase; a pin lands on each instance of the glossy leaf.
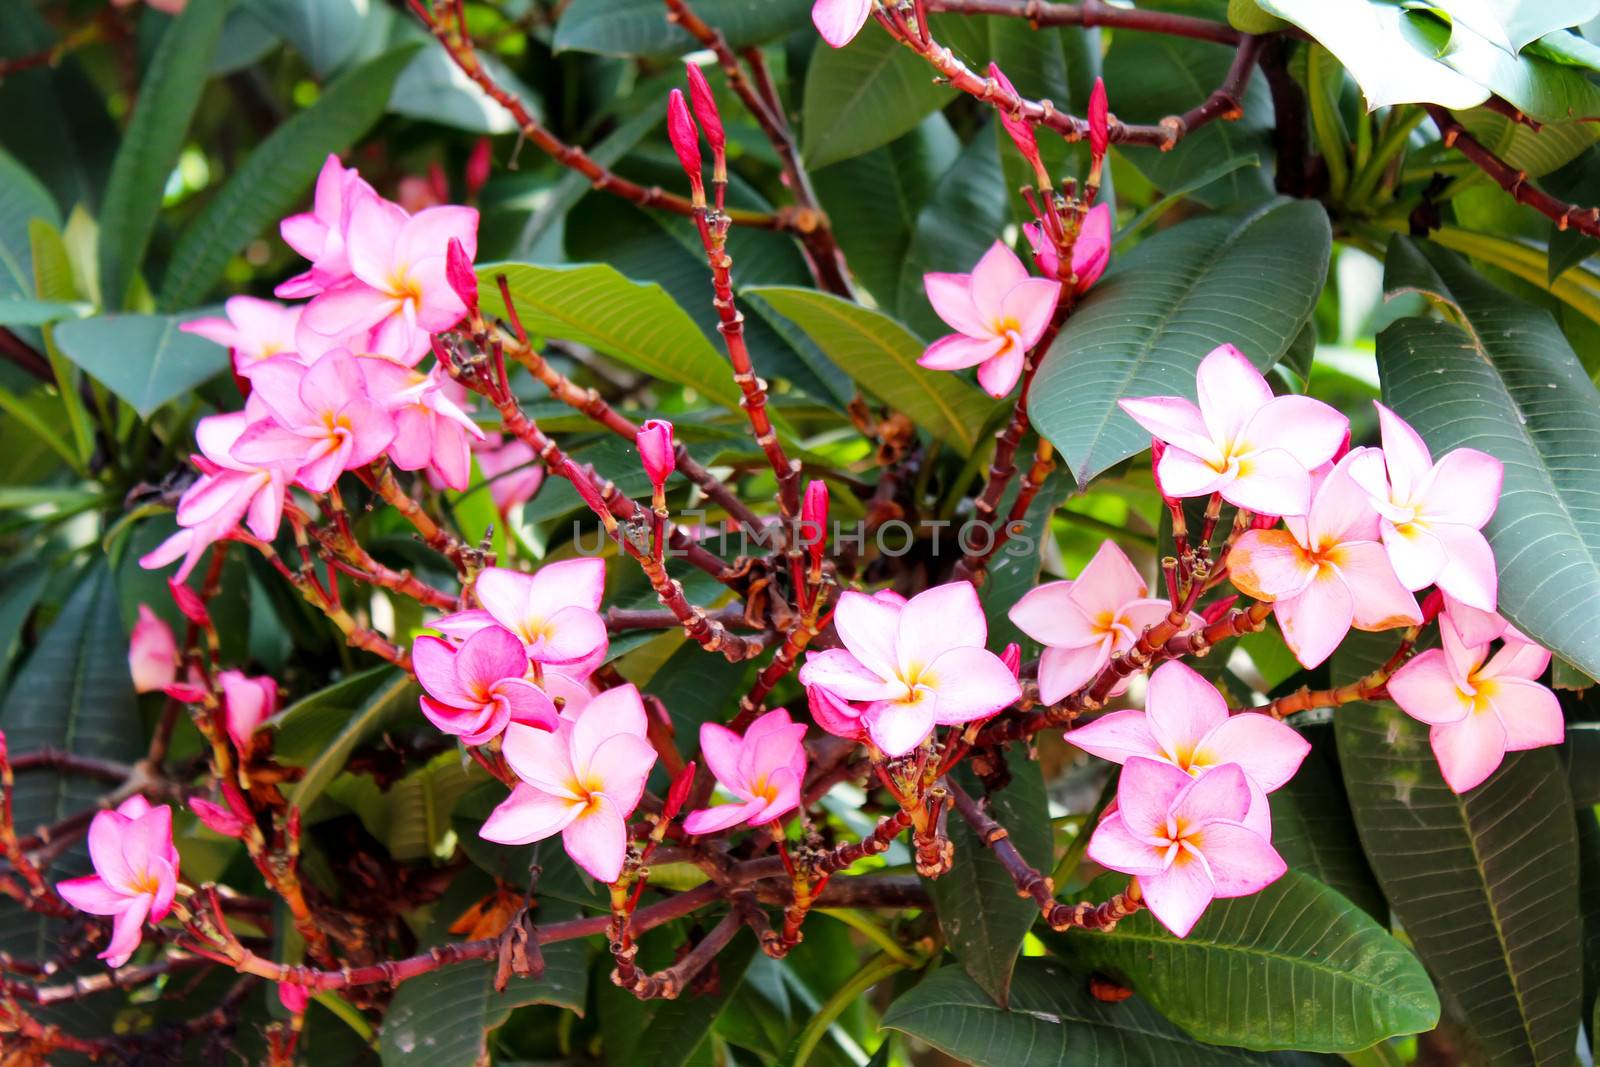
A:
(144, 359)
(1312, 827)
(980, 913)
(1485, 884)
(667, 1032)
(1502, 378)
(631, 321)
(882, 356)
(1295, 966)
(395, 694)
(1544, 89)
(1250, 278)
(22, 199)
(1053, 1021)
(641, 28)
(274, 177)
(168, 95)
(864, 95)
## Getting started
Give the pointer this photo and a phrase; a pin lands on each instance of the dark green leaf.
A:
(22, 198)
(432, 88)
(1502, 378)
(171, 89)
(864, 95)
(328, 34)
(1295, 966)
(1485, 884)
(983, 919)
(1249, 278)
(1313, 831)
(666, 1032)
(1053, 1022)
(1541, 88)
(275, 175)
(1165, 76)
(144, 359)
(24, 312)
(640, 27)
(394, 695)
(882, 356)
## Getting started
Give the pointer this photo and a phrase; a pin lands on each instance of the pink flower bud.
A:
(217, 818)
(814, 520)
(189, 602)
(685, 140)
(478, 165)
(246, 704)
(655, 451)
(152, 653)
(458, 272)
(4, 752)
(1218, 608)
(1020, 129)
(705, 108)
(1012, 658)
(293, 997)
(1431, 606)
(1099, 130)
(679, 792)
(185, 692)
(1157, 447)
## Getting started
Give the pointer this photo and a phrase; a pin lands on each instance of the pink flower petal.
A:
(1468, 751)
(838, 672)
(615, 711)
(1174, 420)
(936, 621)
(1241, 861)
(1182, 474)
(1517, 659)
(1268, 482)
(997, 273)
(898, 727)
(957, 351)
(1030, 304)
(1116, 847)
(998, 376)
(1117, 736)
(1181, 708)
(720, 747)
(577, 582)
(1475, 627)
(573, 634)
(542, 758)
(951, 297)
(1107, 582)
(840, 20)
(1270, 565)
(868, 628)
(486, 657)
(1415, 553)
(1230, 390)
(1464, 488)
(1221, 793)
(1268, 751)
(1092, 251)
(1381, 602)
(1050, 615)
(1146, 792)
(1530, 713)
(1316, 620)
(1468, 574)
(528, 815)
(710, 820)
(1405, 455)
(1426, 690)
(92, 894)
(1340, 509)
(526, 703)
(127, 930)
(598, 840)
(969, 683)
(1063, 671)
(623, 763)
(1307, 429)
(1178, 896)
(108, 831)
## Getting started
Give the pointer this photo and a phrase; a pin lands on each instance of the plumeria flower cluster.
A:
(333, 384)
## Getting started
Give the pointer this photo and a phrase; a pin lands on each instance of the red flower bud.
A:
(185, 692)
(293, 997)
(654, 441)
(1263, 522)
(678, 793)
(458, 272)
(1099, 130)
(705, 109)
(685, 141)
(189, 602)
(1020, 129)
(1217, 608)
(1012, 658)
(1157, 448)
(4, 753)
(438, 184)
(1432, 605)
(814, 520)
(478, 166)
(218, 818)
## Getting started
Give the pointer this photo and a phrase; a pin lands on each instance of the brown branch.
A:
(619, 620)
(1093, 13)
(1368, 687)
(1585, 220)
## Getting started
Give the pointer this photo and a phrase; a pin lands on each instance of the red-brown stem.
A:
(1368, 687)
(1585, 220)
(351, 557)
(461, 52)
(619, 620)
(1093, 13)
(783, 660)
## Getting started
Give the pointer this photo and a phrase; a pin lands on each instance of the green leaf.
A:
(636, 323)
(983, 919)
(1312, 828)
(1053, 1022)
(882, 356)
(864, 95)
(1247, 15)
(144, 359)
(1567, 248)
(22, 199)
(328, 34)
(1538, 152)
(1248, 278)
(1544, 89)
(1502, 378)
(640, 27)
(1512, 24)
(21, 585)
(304, 729)
(412, 816)
(1485, 884)
(25, 312)
(168, 95)
(276, 174)
(665, 1033)
(1295, 966)
(433, 89)
(1167, 75)
(1015, 568)
(394, 696)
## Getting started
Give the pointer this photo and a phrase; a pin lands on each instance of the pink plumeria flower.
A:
(152, 653)
(322, 419)
(399, 289)
(1432, 512)
(254, 330)
(582, 782)
(135, 873)
(246, 704)
(512, 469)
(1091, 253)
(1185, 839)
(555, 612)
(1478, 627)
(1081, 623)
(1186, 724)
(763, 770)
(1478, 711)
(1325, 573)
(998, 313)
(1256, 449)
(229, 492)
(475, 691)
(432, 433)
(840, 20)
(914, 665)
(320, 234)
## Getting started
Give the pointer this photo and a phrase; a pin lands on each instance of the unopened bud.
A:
(1158, 448)
(185, 692)
(1020, 129)
(216, 817)
(705, 110)
(293, 997)
(1099, 122)
(478, 166)
(678, 793)
(814, 520)
(1012, 658)
(459, 273)
(1217, 608)
(656, 451)
(189, 602)
(1432, 605)
(686, 142)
